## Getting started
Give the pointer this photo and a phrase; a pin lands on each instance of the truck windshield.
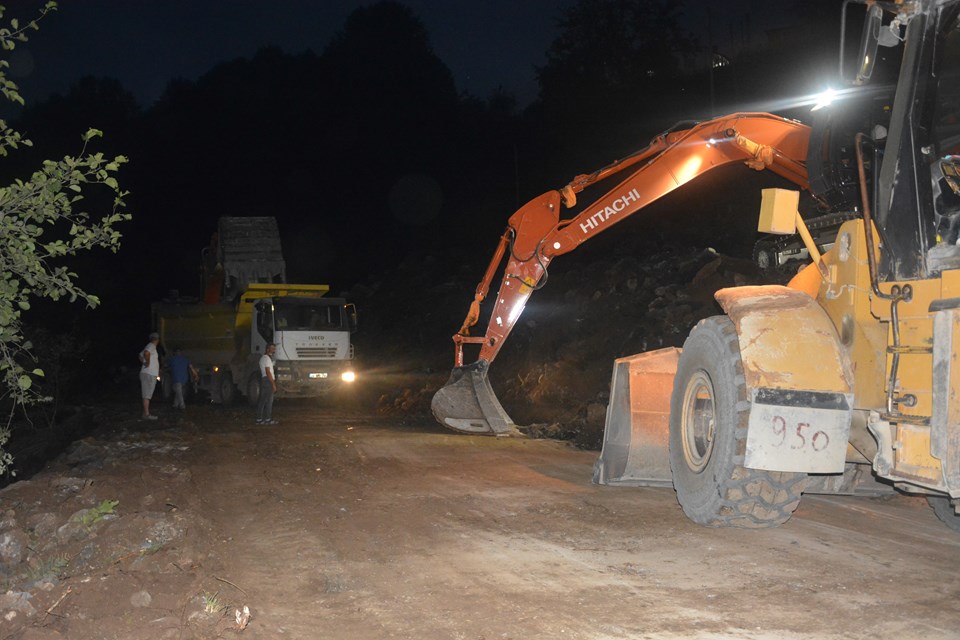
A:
(307, 315)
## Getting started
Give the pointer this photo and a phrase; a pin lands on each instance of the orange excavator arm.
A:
(535, 235)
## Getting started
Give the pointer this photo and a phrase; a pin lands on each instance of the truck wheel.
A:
(944, 510)
(228, 392)
(253, 390)
(166, 387)
(709, 411)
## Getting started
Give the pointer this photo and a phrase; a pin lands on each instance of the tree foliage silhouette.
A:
(42, 223)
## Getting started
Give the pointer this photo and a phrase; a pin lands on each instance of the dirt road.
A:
(348, 525)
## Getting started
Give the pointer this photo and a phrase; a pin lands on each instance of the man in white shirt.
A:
(149, 371)
(268, 386)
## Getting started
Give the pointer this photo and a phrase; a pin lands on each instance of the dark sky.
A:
(146, 43)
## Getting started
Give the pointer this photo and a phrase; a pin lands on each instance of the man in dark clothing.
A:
(181, 372)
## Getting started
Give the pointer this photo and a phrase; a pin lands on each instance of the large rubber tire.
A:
(166, 387)
(253, 389)
(709, 413)
(228, 392)
(944, 510)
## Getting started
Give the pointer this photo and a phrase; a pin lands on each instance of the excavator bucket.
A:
(636, 436)
(467, 403)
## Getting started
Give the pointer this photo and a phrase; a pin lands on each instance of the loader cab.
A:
(914, 201)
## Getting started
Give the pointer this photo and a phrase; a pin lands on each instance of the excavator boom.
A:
(535, 235)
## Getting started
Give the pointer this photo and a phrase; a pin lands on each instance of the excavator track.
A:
(772, 251)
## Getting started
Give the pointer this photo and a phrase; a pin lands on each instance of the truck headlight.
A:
(348, 376)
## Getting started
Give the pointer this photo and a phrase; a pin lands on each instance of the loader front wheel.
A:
(709, 412)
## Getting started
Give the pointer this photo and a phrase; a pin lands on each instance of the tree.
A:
(389, 125)
(612, 46)
(43, 222)
(613, 74)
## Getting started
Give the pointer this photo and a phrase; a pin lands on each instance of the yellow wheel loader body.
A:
(818, 370)
(796, 373)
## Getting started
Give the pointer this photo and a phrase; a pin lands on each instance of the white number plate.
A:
(314, 376)
(798, 431)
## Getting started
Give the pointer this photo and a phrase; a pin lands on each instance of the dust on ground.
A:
(342, 523)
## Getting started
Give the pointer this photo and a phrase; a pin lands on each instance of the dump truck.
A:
(246, 304)
(846, 380)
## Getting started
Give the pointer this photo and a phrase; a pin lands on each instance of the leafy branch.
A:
(42, 222)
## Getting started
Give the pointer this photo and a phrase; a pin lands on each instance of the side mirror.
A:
(351, 311)
(869, 41)
(874, 35)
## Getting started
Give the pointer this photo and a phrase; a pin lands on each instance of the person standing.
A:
(181, 372)
(268, 386)
(149, 370)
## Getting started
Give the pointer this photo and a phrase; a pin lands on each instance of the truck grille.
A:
(316, 352)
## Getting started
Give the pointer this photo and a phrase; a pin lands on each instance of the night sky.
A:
(146, 43)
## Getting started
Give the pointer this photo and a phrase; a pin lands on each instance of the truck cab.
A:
(247, 304)
(314, 351)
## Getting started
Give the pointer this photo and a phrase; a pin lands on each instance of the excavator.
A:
(846, 380)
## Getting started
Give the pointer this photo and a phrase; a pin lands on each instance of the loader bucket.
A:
(636, 435)
(467, 403)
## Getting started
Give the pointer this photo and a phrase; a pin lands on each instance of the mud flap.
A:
(636, 436)
(467, 403)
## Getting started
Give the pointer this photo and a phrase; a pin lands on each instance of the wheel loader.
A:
(846, 380)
